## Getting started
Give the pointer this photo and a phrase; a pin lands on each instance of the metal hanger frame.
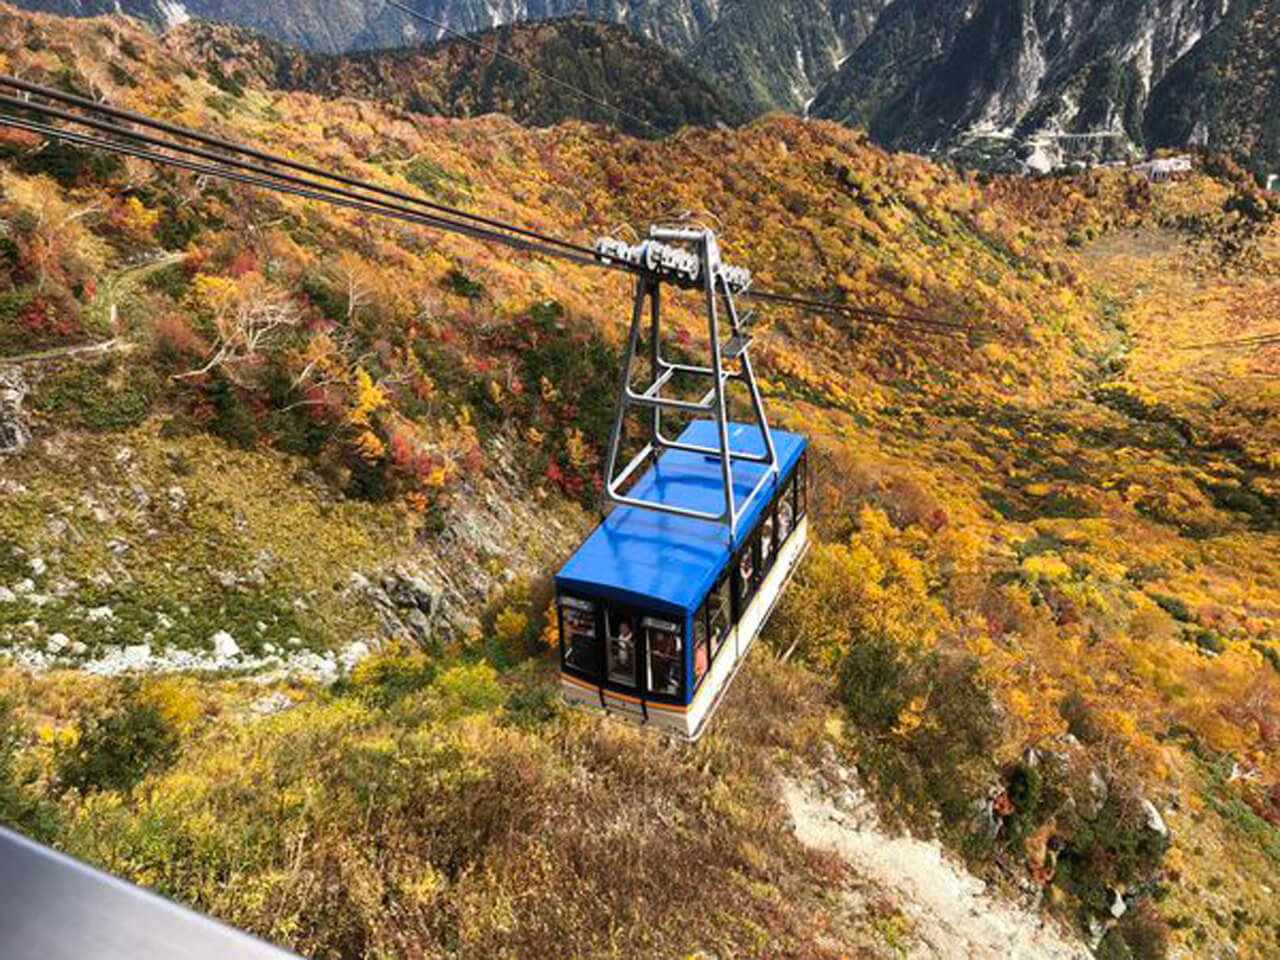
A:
(714, 280)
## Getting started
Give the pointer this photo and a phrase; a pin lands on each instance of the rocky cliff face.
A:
(1226, 91)
(771, 54)
(931, 74)
(977, 77)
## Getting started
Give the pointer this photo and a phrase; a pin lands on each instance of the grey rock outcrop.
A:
(15, 434)
(407, 604)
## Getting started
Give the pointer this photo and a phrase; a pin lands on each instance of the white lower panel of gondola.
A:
(690, 722)
(738, 642)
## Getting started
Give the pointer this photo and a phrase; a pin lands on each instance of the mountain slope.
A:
(932, 73)
(765, 53)
(1040, 615)
(1225, 93)
(652, 89)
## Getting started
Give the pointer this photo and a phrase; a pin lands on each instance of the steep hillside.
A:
(763, 53)
(931, 74)
(277, 625)
(1225, 92)
(652, 90)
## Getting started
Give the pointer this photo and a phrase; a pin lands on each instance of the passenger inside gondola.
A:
(786, 514)
(665, 661)
(622, 650)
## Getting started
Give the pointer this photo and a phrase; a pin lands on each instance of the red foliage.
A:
(174, 337)
(45, 317)
(242, 262)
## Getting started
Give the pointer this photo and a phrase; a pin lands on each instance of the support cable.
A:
(228, 145)
(1262, 340)
(788, 300)
(230, 154)
(326, 196)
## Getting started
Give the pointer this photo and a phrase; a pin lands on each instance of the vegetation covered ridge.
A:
(603, 74)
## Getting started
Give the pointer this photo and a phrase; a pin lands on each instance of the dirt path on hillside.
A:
(953, 914)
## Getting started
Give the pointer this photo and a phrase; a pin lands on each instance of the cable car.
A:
(658, 611)
(659, 607)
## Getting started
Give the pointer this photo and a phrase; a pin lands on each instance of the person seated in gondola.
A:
(664, 661)
(622, 656)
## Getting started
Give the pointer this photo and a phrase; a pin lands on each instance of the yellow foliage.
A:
(369, 398)
(178, 701)
(1047, 566)
(510, 626)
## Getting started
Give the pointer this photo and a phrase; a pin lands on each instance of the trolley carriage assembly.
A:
(660, 605)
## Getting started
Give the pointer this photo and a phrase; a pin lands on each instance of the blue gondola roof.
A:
(640, 556)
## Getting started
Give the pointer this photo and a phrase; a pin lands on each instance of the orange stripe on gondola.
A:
(593, 688)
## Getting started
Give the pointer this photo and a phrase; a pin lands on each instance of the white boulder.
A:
(224, 645)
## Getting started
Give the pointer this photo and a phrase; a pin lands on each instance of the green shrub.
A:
(232, 419)
(1144, 934)
(1116, 850)
(1207, 640)
(70, 165)
(391, 674)
(432, 178)
(119, 745)
(20, 806)
(1173, 607)
(533, 704)
(457, 281)
(941, 765)
(464, 690)
(105, 397)
(1113, 947)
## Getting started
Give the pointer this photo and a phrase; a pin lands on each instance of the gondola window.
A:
(786, 515)
(622, 648)
(746, 575)
(767, 529)
(719, 613)
(701, 646)
(665, 656)
(581, 643)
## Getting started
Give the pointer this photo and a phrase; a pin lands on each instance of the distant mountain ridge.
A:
(932, 74)
(973, 77)
(769, 54)
(651, 89)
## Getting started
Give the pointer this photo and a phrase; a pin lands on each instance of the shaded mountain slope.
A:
(1225, 93)
(653, 90)
(930, 73)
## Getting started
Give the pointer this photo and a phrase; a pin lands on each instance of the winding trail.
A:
(103, 311)
(954, 915)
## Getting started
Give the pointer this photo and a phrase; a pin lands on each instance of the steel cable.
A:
(473, 225)
(261, 155)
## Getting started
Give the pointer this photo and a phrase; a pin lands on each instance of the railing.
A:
(53, 907)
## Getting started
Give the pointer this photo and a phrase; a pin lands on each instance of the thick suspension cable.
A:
(336, 199)
(220, 143)
(226, 162)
